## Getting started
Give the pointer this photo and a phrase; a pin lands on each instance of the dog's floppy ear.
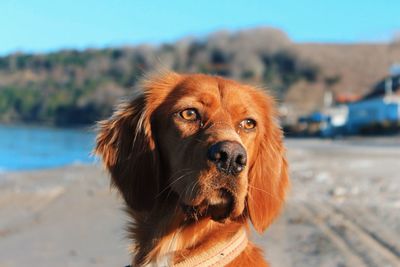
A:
(268, 174)
(126, 145)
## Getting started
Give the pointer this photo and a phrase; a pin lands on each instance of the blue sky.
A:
(48, 25)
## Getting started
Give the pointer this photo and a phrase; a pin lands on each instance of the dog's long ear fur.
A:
(126, 145)
(268, 175)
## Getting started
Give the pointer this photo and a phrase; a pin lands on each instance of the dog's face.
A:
(207, 130)
(212, 142)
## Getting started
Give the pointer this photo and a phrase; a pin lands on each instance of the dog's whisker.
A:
(172, 177)
(176, 180)
(193, 186)
(208, 205)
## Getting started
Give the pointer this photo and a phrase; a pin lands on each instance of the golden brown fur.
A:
(157, 160)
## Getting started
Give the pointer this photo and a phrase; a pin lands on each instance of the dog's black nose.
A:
(229, 157)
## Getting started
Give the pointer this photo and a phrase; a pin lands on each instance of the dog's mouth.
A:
(219, 207)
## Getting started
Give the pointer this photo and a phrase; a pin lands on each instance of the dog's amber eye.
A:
(189, 114)
(248, 124)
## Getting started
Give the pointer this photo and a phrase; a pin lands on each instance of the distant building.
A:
(378, 110)
(373, 112)
(329, 122)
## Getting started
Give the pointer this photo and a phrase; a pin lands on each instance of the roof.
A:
(379, 88)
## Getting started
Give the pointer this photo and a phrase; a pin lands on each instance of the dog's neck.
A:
(166, 238)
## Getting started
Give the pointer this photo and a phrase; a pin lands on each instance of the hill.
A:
(347, 69)
(78, 87)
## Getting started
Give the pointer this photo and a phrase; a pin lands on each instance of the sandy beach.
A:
(343, 210)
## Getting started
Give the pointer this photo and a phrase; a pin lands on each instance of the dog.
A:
(196, 157)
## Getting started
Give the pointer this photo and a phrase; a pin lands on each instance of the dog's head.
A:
(212, 142)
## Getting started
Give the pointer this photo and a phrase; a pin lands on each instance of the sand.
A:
(343, 210)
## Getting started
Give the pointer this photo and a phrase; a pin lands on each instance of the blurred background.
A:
(333, 66)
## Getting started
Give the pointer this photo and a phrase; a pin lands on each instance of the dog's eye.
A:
(189, 114)
(248, 124)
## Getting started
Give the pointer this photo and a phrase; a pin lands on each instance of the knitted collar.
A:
(219, 255)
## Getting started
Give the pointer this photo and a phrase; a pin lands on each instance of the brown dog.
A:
(195, 157)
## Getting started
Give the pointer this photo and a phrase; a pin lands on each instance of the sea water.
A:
(28, 148)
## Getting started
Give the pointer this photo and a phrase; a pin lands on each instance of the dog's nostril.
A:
(241, 160)
(223, 156)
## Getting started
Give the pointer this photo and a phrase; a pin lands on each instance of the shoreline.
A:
(388, 144)
(95, 163)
